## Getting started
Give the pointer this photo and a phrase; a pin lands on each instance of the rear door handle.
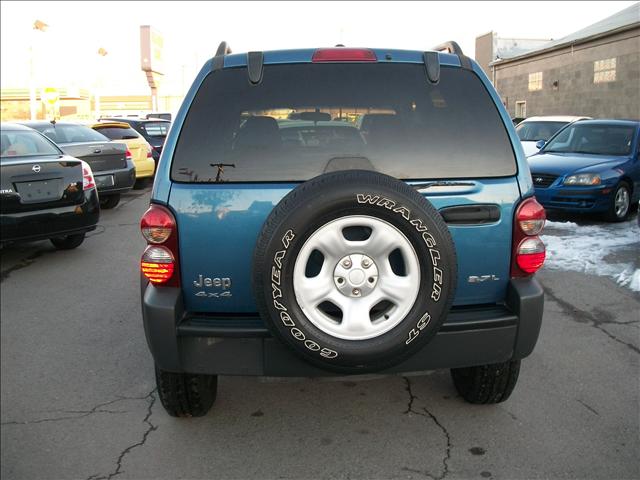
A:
(97, 150)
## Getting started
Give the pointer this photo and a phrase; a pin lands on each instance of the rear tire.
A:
(485, 384)
(109, 201)
(186, 395)
(620, 203)
(68, 242)
(142, 183)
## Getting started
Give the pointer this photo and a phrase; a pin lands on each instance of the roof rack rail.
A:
(453, 47)
(218, 60)
(223, 49)
(450, 47)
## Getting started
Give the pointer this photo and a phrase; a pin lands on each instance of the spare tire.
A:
(354, 270)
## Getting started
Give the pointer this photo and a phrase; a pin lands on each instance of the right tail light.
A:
(88, 182)
(528, 250)
(159, 263)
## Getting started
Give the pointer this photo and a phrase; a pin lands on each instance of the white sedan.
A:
(533, 129)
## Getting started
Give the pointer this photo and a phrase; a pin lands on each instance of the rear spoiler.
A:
(431, 60)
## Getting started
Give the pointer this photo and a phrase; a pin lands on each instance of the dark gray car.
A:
(111, 163)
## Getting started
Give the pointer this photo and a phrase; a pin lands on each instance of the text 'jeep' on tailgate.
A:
(341, 211)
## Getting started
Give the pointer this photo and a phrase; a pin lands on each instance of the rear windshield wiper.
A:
(442, 183)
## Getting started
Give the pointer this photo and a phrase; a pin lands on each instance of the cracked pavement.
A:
(78, 397)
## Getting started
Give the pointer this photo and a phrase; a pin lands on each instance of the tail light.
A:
(128, 155)
(528, 250)
(149, 150)
(344, 55)
(159, 263)
(88, 182)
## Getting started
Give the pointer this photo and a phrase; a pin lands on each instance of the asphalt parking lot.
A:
(78, 396)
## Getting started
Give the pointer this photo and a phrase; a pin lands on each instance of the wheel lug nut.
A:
(346, 263)
(366, 263)
(356, 292)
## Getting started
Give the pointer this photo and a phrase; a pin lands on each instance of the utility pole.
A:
(40, 26)
(102, 53)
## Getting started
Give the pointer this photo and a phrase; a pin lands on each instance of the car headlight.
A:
(583, 179)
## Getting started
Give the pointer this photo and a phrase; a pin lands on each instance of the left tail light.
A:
(149, 150)
(88, 182)
(159, 263)
(528, 251)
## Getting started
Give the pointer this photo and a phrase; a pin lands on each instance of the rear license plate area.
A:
(104, 181)
(40, 191)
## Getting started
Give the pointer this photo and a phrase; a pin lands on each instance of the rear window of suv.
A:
(306, 119)
(118, 133)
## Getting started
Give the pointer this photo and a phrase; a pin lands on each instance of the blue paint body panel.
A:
(218, 224)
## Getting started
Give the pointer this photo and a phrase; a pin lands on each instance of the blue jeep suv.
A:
(286, 239)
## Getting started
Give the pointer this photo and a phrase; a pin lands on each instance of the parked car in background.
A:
(111, 162)
(137, 145)
(154, 131)
(534, 129)
(161, 115)
(45, 193)
(517, 120)
(590, 166)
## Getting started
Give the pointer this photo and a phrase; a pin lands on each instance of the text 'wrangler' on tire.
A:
(354, 270)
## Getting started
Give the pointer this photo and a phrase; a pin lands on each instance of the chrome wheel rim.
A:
(622, 202)
(364, 287)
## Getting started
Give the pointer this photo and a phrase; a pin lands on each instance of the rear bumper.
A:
(145, 167)
(123, 179)
(242, 346)
(51, 222)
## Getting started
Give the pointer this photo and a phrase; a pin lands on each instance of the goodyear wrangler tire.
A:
(354, 270)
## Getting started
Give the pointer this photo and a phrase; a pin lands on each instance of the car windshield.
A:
(24, 143)
(156, 129)
(306, 119)
(595, 139)
(71, 133)
(534, 131)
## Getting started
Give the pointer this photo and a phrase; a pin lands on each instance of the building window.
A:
(535, 81)
(604, 70)
(521, 109)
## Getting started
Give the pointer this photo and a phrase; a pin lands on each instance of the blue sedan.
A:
(590, 166)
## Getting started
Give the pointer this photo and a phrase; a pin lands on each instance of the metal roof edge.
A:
(560, 46)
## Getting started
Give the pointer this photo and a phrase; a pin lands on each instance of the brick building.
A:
(593, 72)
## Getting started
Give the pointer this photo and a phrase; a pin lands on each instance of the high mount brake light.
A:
(528, 250)
(159, 261)
(88, 182)
(344, 55)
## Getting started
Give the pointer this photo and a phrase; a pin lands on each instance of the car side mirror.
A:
(540, 144)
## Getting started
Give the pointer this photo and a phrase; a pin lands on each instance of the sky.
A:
(65, 56)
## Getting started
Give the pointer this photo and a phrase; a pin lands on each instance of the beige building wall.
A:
(568, 86)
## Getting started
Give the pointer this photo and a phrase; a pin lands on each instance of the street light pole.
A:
(40, 26)
(103, 53)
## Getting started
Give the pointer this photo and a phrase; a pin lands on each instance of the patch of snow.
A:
(634, 282)
(590, 249)
(561, 225)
